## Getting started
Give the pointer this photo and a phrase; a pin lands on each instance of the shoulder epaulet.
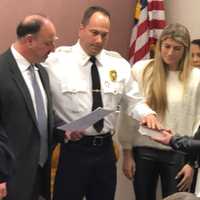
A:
(113, 54)
(64, 49)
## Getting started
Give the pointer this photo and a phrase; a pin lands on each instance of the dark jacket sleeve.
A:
(7, 159)
(185, 144)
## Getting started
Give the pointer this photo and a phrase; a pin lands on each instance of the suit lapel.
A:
(18, 78)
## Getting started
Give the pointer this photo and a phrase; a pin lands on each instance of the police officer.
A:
(87, 166)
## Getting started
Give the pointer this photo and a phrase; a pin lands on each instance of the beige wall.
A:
(185, 12)
(66, 15)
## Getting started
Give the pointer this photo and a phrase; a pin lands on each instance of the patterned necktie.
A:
(41, 117)
(96, 92)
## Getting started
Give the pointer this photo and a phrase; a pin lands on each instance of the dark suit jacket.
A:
(19, 135)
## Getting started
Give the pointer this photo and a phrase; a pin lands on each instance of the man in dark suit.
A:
(26, 117)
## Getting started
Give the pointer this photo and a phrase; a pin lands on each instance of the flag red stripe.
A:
(143, 27)
(157, 24)
(155, 5)
(141, 52)
(152, 41)
(132, 49)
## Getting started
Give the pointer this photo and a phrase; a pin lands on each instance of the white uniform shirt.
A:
(70, 79)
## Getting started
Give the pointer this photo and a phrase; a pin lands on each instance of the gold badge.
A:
(113, 75)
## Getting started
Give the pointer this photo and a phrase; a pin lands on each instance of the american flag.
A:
(149, 21)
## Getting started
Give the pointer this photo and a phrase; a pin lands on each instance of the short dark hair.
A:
(90, 11)
(30, 26)
(196, 41)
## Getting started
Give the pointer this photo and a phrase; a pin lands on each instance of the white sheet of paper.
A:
(86, 121)
(147, 131)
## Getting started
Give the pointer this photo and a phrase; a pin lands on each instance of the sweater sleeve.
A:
(126, 128)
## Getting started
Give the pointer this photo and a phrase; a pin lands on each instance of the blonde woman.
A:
(172, 89)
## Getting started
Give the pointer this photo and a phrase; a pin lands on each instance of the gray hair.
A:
(182, 196)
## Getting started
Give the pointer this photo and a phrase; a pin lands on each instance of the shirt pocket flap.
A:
(73, 88)
(113, 88)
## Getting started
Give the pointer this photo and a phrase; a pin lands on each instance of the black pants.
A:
(41, 188)
(38, 184)
(86, 170)
(152, 163)
(194, 181)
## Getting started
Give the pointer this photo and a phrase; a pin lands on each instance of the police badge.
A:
(113, 75)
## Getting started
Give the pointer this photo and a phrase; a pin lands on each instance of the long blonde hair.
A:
(156, 72)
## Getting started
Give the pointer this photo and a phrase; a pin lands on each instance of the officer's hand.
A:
(3, 190)
(128, 165)
(151, 121)
(74, 135)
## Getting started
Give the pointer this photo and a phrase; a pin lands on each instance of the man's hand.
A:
(74, 135)
(128, 165)
(164, 137)
(186, 175)
(151, 121)
(3, 190)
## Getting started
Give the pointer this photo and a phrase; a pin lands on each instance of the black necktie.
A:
(41, 117)
(96, 92)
